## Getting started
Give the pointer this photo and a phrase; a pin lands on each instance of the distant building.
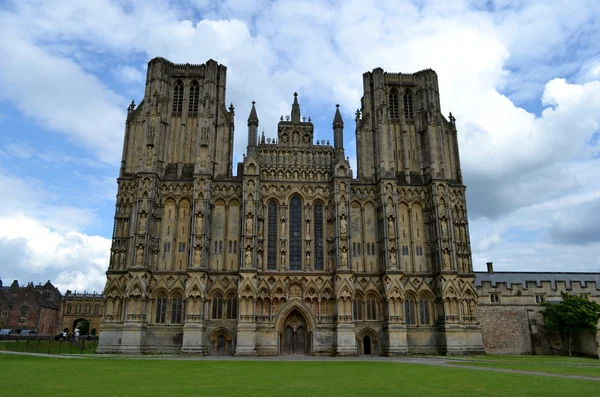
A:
(509, 310)
(31, 307)
(84, 310)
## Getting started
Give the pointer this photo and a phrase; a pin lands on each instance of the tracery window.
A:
(371, 306)
(217, 306)
(295, 234)
(272, 236)
(408, 106)
(358, 308)
(161, 308)
(394, 114)
(409, 311)
(194, 96)
(176, 309)
(424, 317)
(178, 98)
(318, 234)
(231, 307)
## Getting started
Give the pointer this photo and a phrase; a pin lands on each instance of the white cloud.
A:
(517, 163)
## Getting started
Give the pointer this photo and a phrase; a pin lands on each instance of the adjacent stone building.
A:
(31, 307)
(83, 310)
(293, 255)
(509, 310)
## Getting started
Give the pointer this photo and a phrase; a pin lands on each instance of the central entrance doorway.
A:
(295, 335)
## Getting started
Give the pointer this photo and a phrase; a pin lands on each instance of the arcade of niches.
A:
(293, 255)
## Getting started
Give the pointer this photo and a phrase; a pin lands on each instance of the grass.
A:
(593, 371)
(555, 360)
(27, 376)
(48, 347)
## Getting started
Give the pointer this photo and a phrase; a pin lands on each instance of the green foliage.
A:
(571, 315)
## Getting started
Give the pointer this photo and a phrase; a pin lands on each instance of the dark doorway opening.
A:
(367, 345)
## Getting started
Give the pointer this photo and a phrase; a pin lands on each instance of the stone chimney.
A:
(490, 267)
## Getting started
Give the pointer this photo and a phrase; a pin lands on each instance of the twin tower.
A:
(293, 255)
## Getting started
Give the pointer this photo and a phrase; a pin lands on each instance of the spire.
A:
(337, 119)
(338, 129)
(253, 118)
(295, 109)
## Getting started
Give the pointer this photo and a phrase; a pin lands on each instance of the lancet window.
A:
(408, 106)
(295, 234)
(194, 97)
(176, 309)
(393, 102)
(409, 311)
(161, 308)
(424, 308)
(272, 236)
(318, 234)
(178, 98)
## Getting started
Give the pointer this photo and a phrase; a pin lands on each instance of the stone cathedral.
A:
(293, 255)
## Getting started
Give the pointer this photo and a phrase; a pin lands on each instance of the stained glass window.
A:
(272, 236)
(295, 234)
(318, 233)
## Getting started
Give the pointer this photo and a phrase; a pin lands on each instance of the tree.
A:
(572, 314)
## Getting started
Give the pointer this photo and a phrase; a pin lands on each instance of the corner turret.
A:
(338, 129)
(252, 126)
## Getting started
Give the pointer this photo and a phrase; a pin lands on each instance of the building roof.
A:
(511, 278)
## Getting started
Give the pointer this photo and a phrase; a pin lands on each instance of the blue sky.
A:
(522, 79)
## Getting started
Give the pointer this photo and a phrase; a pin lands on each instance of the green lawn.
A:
(33, 376)
(593, 371)
(555, 360)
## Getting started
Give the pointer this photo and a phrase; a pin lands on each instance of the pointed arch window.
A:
(231, 307)
(318, 234)
(295, 233)
(178, 98)
(371, 306)
(409, 311)
(358, 308)
(161, 308)
(394, 113)
(272, 236)
(424, 309)
(176, 309)
(217, 306)
(408, 106)
(194, 98)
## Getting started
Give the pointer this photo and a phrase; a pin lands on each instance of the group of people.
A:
(66, 335)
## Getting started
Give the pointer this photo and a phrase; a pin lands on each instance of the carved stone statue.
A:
(392, 259)
(249, 223)
(344, 258)
(343, 225)
(259, 260)
(200, 223)
(282, 234)
(197, 256)
(248, 260)
(260, 228)
(139, 256)
(142, 222)
(446, 260)
(391, 226)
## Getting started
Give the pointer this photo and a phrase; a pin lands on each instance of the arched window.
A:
(394, 114)
(424, 317)
(69, 308)
(161, 308)
(371, 306)
(176, 309)
(231, 307)
(178, 98)
(409, 310)
(318, 235)
(295, 234)
(194, 96)
(408, 106)
(217, 306)
(358, 308)
(272, 236)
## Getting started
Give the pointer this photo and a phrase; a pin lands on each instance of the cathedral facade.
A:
(293, 255)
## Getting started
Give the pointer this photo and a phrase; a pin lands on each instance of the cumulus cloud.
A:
(491, 57)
